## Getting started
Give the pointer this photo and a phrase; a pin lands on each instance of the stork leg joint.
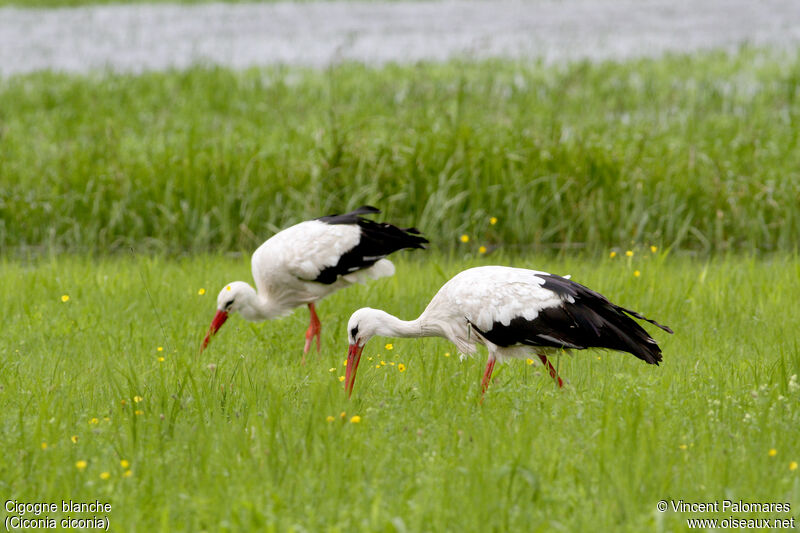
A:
(314, 329)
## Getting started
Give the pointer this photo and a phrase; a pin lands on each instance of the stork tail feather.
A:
(642, 317)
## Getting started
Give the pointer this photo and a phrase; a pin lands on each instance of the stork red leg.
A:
(487, 375)
(314, 328)
(553, 373)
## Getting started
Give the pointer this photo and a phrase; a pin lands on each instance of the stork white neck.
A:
(239, 297)
(387, 325)
(257, 307)
(372, 322)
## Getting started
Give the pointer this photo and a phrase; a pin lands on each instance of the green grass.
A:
(697, 153)
(691, 154)
(246, 444)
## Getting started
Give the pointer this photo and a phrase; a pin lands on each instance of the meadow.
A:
(240, 437)
(696, 153)
(127, 201)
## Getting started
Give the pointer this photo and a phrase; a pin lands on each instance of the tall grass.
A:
(237, 438)
(698, 153)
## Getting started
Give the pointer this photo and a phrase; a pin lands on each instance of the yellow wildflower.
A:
(529, 361)
(683, 446)
(330, 418)
(773, 452)
(94, 421)
(160, 349)
(629, 253)
(65, 298)
(341, 378)
(447, 354)
(138, 412)
(44, 445)
(124, 463)
(612, 255)
(391, 363)
(389, 346)
(342, 414)
(160, 359)
(74, 439)
(482, 250)
(493, 221)
(127, 473)
(401, 367)
(201, 292)
(383, 363)
(465, 238)
(105, 475)
(332, 369)
(377, 366)
(137, 399)
(355, 419)
(636, 273)
(80, 465)
(654, 249)
(793, 465)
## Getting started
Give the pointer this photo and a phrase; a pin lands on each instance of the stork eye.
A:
(229, 304)
(354, 332)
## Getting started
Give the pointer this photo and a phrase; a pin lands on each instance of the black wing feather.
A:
(590, 321)
(378, 239)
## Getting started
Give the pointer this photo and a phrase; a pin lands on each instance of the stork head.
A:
(231, 299)
(362, 326)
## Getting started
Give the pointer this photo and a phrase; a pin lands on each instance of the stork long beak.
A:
(219, 319)
(353, 358)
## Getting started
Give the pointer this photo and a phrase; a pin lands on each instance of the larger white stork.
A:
(308, 261)
(512, 311)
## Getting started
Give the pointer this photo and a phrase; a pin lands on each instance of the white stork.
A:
(511, 311)
(310, 260)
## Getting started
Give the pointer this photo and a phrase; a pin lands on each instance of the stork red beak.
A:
(353, 358)
(219, 319)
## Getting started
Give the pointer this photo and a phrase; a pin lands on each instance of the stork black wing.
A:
(378, 239)
(590, 321)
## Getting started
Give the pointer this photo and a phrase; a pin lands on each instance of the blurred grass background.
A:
(697, 153)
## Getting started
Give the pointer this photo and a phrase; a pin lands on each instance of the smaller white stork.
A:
(511, 311)
(310, 260)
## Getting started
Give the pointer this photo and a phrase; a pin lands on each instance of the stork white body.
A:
(310, 260)
(286, 265)
(511, 311)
